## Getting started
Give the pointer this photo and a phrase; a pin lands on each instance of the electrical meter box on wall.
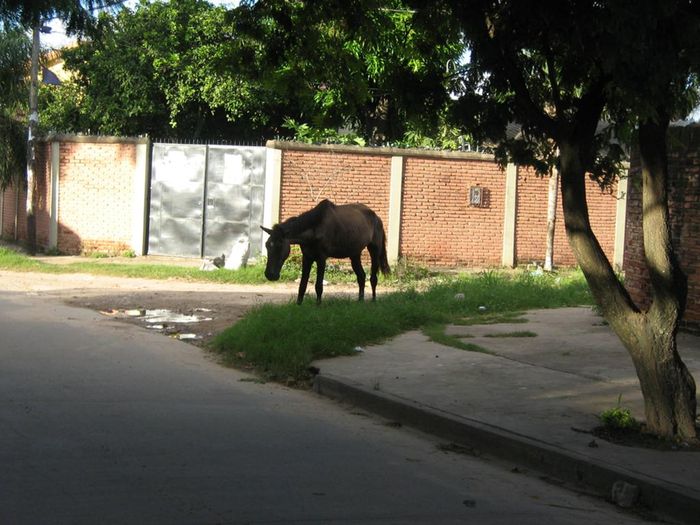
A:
(475, 196)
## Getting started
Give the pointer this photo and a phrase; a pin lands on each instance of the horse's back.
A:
(348, 228)
(356, 216)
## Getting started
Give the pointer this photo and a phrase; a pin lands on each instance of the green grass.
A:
(253, 274)
(99, 264)
(492, 318)
(521, 333)
(280, 341)
(436, 333)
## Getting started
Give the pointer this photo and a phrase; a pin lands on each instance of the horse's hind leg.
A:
(320, 271)
(374, 256)
(360, 273)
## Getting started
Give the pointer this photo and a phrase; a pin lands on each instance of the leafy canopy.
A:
(14, 50)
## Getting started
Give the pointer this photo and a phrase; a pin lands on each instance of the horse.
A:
(329, 230)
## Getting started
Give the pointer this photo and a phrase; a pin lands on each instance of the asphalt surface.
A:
(106, 422)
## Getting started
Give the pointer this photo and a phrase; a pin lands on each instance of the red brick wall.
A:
(9, 197)
(311, 176)
(531, 220)
(438, 226)
(95, 183)
(684, 209)
(95, 196)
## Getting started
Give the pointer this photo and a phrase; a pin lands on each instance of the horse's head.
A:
(278, 247)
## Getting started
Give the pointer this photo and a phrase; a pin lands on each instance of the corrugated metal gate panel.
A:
(177, 192)
(235, 197)
(230, 199)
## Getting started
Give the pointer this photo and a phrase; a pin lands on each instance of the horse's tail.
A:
(383, 261)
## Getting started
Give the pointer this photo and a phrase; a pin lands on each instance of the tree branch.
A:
(556, 97)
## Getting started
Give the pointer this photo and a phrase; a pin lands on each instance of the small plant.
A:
(128, 253)
(619, 418)
(52, 252)
(407, 271)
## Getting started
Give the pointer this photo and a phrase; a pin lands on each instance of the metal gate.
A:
(205, 198)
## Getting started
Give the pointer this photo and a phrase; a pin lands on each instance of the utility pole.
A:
(31, 138)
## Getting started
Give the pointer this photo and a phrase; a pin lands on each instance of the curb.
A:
(672, 500)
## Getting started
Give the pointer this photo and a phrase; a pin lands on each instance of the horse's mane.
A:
(306, 220)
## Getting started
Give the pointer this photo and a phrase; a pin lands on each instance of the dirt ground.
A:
(159, 305)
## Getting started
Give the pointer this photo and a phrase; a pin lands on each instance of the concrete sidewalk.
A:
(530, 403)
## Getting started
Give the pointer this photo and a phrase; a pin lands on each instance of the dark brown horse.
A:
(329, 231)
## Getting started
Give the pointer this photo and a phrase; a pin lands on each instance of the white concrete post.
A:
(508, 253)
(395, 202)
(139, 203)
(620, 222)
(552, 192)
(273, 190)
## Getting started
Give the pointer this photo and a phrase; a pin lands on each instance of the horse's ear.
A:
(266, 230)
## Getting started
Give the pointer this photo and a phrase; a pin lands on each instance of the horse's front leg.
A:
(320, 271)
(360, 273)
(306, 263)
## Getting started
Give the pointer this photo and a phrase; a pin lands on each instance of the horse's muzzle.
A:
(272, 276)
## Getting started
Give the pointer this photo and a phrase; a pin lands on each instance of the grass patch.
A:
(522, 333)
(436, 333)
(280, 341)
(99, 263)
(492, 318)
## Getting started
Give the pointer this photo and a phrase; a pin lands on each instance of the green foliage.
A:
(619, 418)
(13, 147)
(310, 135)
(280, 341)
(159, 69)
(188, 69)
(356, 64)
(14, 93)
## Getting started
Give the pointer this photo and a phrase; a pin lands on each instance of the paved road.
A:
(105, 422)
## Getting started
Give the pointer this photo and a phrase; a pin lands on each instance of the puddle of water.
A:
(162, 315)
(163, 320)
(158, 317)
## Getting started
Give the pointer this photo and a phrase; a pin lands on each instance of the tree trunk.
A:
(650, 338)
(669, 389)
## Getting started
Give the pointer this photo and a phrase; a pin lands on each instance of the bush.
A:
(619, 418)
